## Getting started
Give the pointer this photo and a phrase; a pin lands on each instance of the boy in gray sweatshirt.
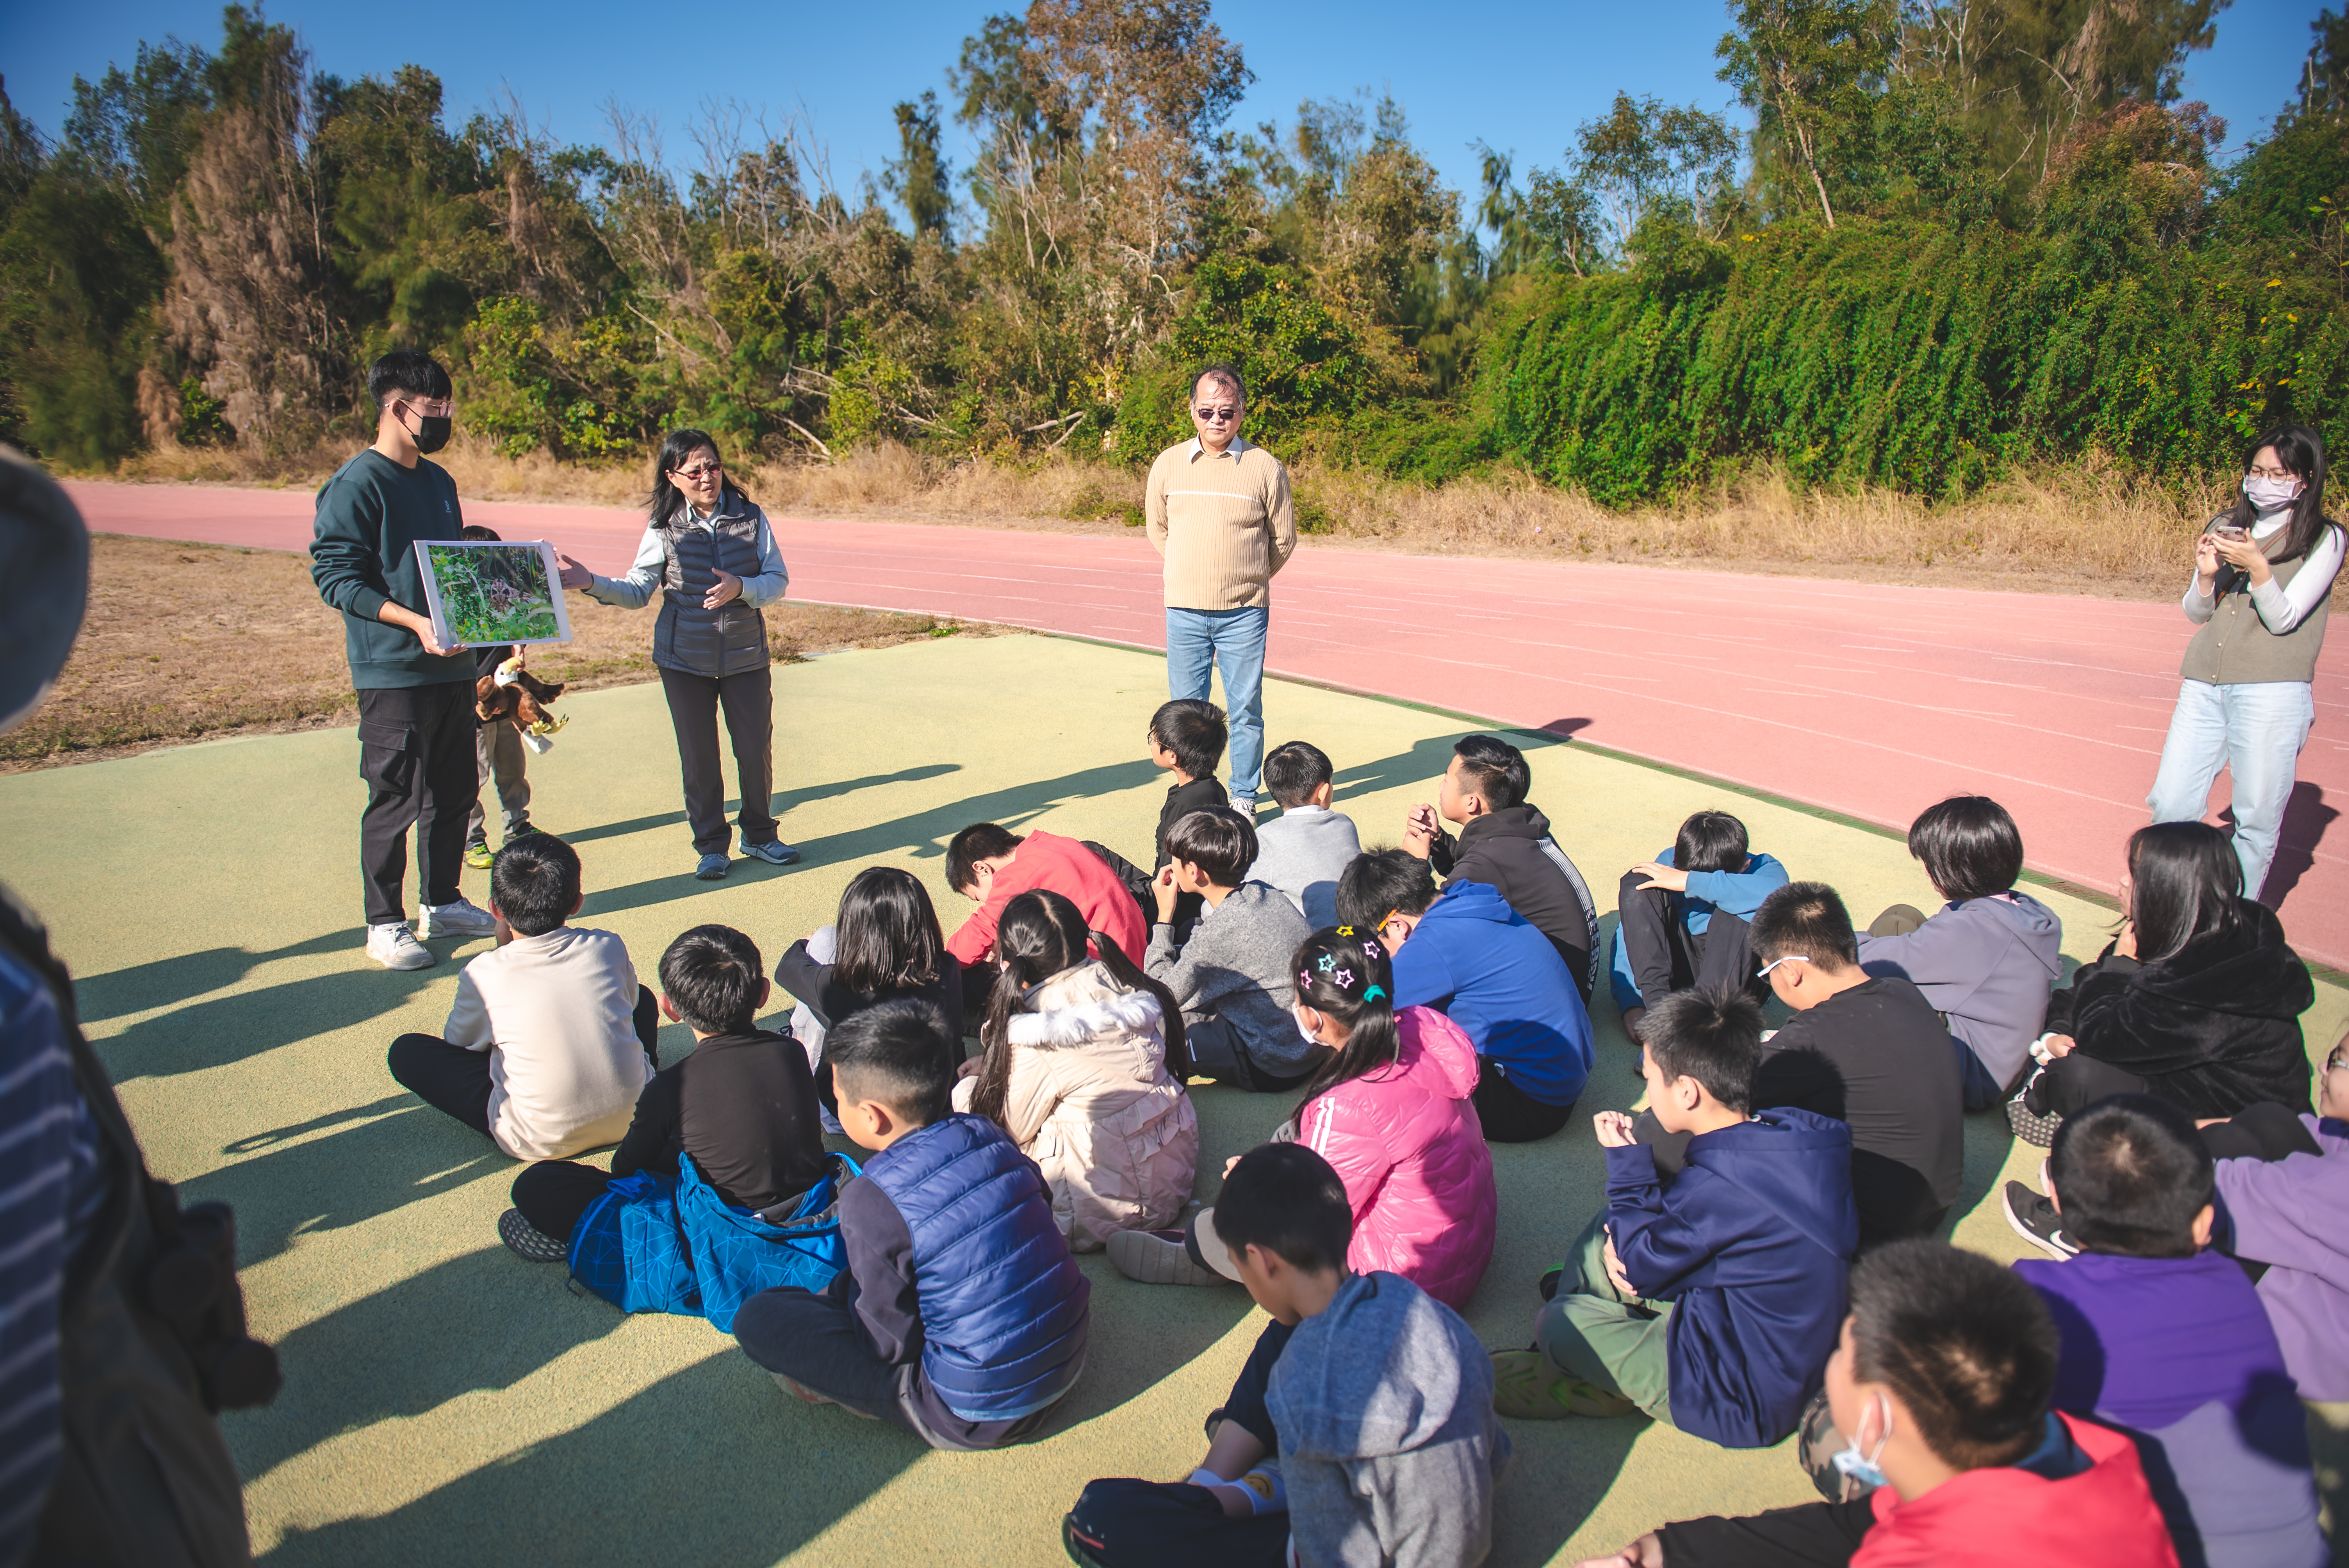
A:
(1360, 1432)
(1231, 976)
(1305, 850)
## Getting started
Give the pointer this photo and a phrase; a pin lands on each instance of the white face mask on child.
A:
(1311, 1038)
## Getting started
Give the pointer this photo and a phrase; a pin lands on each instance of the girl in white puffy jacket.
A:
(1080, 1066)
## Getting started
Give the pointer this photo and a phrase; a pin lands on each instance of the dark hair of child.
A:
(479, 535)
(410, 371)
(1040, 934)
(1497, 769)
(897, 1054)
(1805, 920)
(534, 883)
(889, 938)
(1217, 839)
(1710, 841)
(1967, 1344)
(1294, 769)
(1380, 883)
(980, 842)
(2186, 882)
(1343, 972)
(711, 975)
(1193, 731)
(1709, 1035)
(1969, 846)
(2131, 1173)
(1285, 1199)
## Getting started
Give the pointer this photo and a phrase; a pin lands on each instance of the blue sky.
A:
(1519, 77)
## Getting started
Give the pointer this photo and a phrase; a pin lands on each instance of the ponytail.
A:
(1343, 972)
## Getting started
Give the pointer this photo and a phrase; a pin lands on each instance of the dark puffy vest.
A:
(730, 640)
(1003, 1304)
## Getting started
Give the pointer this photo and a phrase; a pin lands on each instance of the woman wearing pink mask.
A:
(2263, 573)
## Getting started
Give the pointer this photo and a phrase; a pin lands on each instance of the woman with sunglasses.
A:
(2263, 572)
(709, 550)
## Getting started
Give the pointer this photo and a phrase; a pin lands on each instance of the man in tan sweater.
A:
(1219, 510)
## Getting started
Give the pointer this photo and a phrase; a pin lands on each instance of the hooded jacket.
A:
(2287, 1215)
(1406, 1142)
(1486, 968)
(1512, 850)
(1752, 1245)
(1737, 894)
(1388, 1441)
(1091, 1102)
(1986, 965)
(2213, 1028)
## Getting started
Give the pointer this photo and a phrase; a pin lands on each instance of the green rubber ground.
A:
(446, 1402)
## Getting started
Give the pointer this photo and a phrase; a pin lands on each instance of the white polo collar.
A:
(1240, 445)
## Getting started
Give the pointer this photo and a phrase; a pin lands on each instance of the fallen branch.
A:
(811, 436)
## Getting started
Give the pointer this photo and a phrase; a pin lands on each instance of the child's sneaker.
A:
(525, 1240)
(395, 947)
(462, 918)
(478, 856)
(1524, 1387)
(2034, 1219)
(1153, 1259)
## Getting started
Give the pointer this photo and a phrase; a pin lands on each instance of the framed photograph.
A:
(484, 595)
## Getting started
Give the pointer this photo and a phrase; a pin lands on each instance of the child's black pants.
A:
(1665, 957)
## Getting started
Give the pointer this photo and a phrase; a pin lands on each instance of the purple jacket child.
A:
(1987, 966)
(2289, 1214)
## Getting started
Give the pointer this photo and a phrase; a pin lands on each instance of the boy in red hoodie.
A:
(1943, 1377)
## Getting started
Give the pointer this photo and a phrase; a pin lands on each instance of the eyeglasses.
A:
(704, 470)
(1764, 973)
(2258, 473)
(1216, 416)
(2335, 1062)
(432, 407)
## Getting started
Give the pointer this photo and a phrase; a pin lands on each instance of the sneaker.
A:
(808, 1395)
(1524, 1387)
(712, 868)
(1158, 1257)
(1244, 804)
(462, 918)
(395, 947)
(2034, 1219)
(520, 830)
(774, 852)
(525, 1240)
(480, 857)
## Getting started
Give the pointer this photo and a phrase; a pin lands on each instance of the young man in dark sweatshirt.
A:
(1506, 842)
(416, 697)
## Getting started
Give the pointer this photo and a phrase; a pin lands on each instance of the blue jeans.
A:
(2256, 732)
(1230, 641)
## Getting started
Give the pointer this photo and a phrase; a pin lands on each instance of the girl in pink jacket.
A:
(1389, 1112)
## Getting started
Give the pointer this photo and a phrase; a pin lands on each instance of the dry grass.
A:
(187, 642)
(2081, 527)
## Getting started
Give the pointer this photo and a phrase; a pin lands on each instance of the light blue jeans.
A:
(1231, 642)
(2256, 732)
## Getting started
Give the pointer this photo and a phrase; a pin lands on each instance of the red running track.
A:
(1871, 700)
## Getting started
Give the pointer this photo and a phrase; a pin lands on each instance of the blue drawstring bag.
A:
(669, 1243)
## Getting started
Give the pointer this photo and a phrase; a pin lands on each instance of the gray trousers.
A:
(498, 748)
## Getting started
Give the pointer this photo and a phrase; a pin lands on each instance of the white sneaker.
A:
(394, 947)
(462, 918)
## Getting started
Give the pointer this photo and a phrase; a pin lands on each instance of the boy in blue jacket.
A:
(1487, 968)
(961, 1315)
(1713, 1305)
(1684, 917)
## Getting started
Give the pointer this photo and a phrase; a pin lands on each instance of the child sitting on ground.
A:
(1504, 840)
(1231, 977)
(742, 1104)
(885, 945)
(1361, 1429)
(499, 754)
(1942, 1373)
(991, 865)
(1470, 957)
(1305, 850)
(1712, 1303)
(550, 1038)
(1185, 738)
(961, 1315)
(1867, 1051)
(1681, 917)
(1989, 958)
(2169, 1341)
(1390, 1111)
(1076, 1070)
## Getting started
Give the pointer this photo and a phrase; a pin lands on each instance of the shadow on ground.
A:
(346, 1178)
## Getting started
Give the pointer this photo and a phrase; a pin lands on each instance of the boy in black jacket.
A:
(1187, 738)
(1506, 842)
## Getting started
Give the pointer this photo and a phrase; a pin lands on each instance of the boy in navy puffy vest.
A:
(961, 1315)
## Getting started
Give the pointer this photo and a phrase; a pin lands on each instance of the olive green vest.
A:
(2235, 647)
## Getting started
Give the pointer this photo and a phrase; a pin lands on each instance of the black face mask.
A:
(432, 432)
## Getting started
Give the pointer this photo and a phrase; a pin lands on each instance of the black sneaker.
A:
(527, 1240)
(2034, 1219)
